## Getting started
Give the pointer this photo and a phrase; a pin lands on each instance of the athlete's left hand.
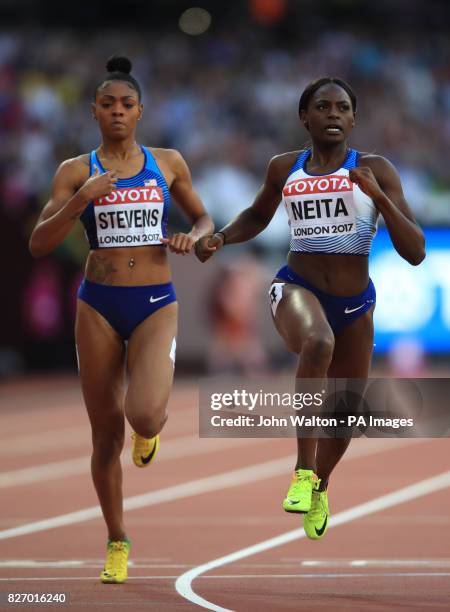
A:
(366, 181)
(179, 243)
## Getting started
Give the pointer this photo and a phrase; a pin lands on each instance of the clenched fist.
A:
(99, 185)
(208, 245)
(179, 243)
(366, 181)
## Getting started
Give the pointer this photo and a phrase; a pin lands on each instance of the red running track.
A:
(206, 499)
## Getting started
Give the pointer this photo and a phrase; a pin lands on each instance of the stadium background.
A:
(227, 99)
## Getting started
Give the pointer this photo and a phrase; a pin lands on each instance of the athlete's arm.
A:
(71, 193)
(379, 179)
(253, 220)
(189, 201)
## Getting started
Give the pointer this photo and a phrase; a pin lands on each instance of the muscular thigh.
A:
(101, 357)
(151, 354)
(353, 349)
(299, 315)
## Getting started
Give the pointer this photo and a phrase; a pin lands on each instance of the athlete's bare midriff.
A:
(136, 266)
(149, 266)
(342, 275)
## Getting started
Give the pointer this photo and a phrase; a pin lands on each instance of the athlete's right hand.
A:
(206, 246)
(99, 185)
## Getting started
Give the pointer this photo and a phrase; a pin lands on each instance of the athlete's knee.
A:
(293, 342)
(317, 349)
(149, 425)
(107, 445)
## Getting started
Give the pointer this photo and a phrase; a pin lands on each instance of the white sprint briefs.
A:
(275, 295)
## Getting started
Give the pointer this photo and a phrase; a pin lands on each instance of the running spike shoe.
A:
(298, 498)
(116, 564)
(144, 449)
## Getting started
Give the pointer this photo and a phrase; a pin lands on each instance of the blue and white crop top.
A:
(134, 213)
(327, 212)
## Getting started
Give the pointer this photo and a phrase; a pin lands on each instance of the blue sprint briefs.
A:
(125, 307)
(340, 311)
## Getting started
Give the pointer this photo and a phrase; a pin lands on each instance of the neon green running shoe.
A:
(116, 564)
(144, 449)
(298, 498)
(315, 522)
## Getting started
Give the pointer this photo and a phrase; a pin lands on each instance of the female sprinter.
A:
(323, 300)
(126, 311)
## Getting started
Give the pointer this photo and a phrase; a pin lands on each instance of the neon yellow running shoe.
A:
(116, 564)
(298, 498)
(315, 522)
(144, 449)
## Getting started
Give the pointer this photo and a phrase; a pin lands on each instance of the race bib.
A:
(320, 206)
(130, 217)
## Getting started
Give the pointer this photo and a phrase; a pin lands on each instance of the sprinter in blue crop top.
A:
(322, 301)
(121, 193)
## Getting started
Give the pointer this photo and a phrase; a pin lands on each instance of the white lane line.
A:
(233, 478)
(183, 583)
(170, 449)
(79, 564)
(376, 563)
(253, 473)
(84, 578)
(240, 577)
(41, 441)
(44, 472)
(326, 563)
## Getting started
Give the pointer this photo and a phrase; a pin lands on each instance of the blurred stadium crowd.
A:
(228, 101)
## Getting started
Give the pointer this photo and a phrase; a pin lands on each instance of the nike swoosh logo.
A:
(349, 310)
(156, 299)
(320, 531)
(146, 460)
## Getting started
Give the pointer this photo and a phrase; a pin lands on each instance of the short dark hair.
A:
(119, 68)
(312, 87)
